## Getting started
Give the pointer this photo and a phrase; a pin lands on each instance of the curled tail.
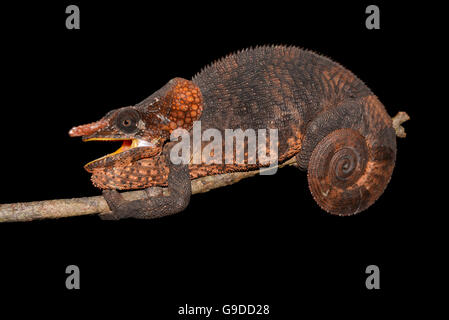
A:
(349, 151)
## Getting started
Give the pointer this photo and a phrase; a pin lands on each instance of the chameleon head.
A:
(145, 127)
(127, 125)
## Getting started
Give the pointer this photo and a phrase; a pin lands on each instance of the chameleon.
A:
(326, 118)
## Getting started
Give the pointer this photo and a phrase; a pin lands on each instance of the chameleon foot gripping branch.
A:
(329, 124)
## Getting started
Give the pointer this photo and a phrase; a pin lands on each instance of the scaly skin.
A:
(325, 116)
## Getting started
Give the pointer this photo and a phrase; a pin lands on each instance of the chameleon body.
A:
(326, 118)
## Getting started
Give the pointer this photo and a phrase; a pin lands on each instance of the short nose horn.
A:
(87, 129)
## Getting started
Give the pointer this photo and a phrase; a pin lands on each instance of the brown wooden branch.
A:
(27, 211)
(399, 119)
(51, 209)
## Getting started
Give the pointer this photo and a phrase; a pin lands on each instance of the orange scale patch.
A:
(186, 105)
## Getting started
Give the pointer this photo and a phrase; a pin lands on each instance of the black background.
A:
(261, 241)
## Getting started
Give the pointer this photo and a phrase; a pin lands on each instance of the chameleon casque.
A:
(326, 118)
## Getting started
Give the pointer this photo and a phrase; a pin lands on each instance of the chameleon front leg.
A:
(179, 187)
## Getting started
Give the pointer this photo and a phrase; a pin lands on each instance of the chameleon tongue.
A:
(87, 129)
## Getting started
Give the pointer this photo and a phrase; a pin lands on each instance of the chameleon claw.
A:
(115, 201)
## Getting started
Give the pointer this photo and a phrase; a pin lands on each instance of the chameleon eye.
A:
(127, 120)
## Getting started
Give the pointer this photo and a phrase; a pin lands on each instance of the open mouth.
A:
(127, 145)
